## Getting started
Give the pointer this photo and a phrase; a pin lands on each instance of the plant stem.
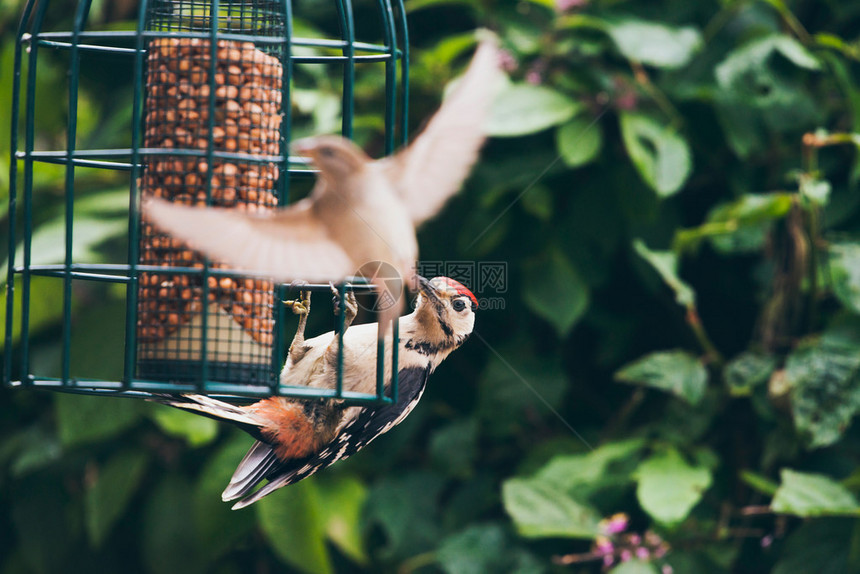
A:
(619, 421)
(790, 20)
(415, 562)
(814, 231)
(658, 96)
(811, 144)
(695, 323)
(755, 510)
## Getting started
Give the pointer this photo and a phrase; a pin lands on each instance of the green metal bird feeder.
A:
(212, 117)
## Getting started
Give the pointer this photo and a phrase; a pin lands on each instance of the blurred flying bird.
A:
(362, 212)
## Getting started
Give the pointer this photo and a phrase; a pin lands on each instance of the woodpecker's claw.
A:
(301, 306)
(350, 302)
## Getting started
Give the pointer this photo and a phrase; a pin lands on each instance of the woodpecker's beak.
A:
(427, 289)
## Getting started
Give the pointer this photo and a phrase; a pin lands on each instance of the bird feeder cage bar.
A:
(344, 10)
(31, 39)
(133, 205)
(83, 9)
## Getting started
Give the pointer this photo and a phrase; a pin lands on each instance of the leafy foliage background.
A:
(673, 186)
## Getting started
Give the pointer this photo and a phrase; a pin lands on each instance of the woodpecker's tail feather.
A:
(269, 488)
(253, 469)
(214, 409)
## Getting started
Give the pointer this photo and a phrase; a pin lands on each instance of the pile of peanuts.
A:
(246, 120)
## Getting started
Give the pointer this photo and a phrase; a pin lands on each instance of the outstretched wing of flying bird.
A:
(434, 166)
(287, 245)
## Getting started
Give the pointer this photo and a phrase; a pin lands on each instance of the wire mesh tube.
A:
(201, 103)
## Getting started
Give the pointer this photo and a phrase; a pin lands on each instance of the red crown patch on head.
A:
(456, 286)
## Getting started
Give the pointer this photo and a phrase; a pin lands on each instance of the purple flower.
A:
(533, 77)
(666, 569)
(635, 539)
(615, 524)
(626, 555)
(507, 61)
(642, 553)
(608, 560)
(565, 5)
(767, 541)
(604, 546)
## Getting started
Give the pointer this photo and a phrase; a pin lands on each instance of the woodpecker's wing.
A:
(213, 409)
(366, 426)
(434, 166)
(287, 245)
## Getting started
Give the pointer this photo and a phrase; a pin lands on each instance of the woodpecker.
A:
(360, 211)
(296, 438)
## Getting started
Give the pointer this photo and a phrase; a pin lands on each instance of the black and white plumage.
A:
(297, 438)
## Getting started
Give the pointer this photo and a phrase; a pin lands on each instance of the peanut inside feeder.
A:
(247, 120)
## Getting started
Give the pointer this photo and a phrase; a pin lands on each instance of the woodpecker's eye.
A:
(458, 304)
(326, 152)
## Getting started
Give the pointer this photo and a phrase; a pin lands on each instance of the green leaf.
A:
(29, 450)
(38, 514)
(477, 549)
(655, 44)
(742, 124)
(817, 191)
(554, 290)
(844, 262)
(572, 471)
(292, 521)
(342, 499)
(447, 49)
(522, 109)
(46, 308)
(666, 265)
(103, 203)
(539, 202)
(754, 57)
(196, 430)
(740, 226)
(809, 494)
(669, 487)
(515, 386)
(579, 141)
(677, 372)
(454, 447)
(635, 567)
(218, 527)
(823, 546)
(751, 80)
(421, 4)
(82, 419)
(542, 510)
(747, 371)
(108, 496)
(759, 482)
(483, 232)
(485, 548)
(168, 539)
(405, 508)
(661, 156)
(824, 389)
(701, 560)
(49, 246)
